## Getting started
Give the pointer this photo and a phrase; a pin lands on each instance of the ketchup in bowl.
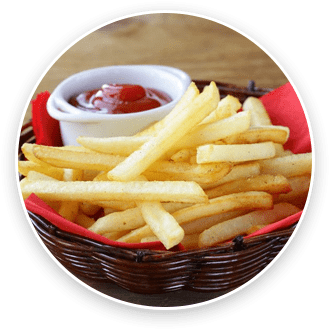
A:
(119, 99)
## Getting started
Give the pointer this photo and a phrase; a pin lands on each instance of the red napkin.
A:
(282, 105)
(284, 108)
(46, 128)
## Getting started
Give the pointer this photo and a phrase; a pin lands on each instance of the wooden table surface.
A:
(204, 49)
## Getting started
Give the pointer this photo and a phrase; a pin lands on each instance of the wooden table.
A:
(202, 48)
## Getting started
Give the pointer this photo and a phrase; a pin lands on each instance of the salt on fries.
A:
(200, 176)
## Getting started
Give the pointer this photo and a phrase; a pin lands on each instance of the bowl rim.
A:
(56, 102)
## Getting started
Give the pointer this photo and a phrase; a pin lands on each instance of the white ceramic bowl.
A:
(75, 122)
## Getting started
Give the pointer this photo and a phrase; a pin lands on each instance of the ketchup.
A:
(115, 99)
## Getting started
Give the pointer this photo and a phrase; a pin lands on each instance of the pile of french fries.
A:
(210, 170)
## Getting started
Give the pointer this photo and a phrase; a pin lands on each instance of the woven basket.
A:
(222, 268)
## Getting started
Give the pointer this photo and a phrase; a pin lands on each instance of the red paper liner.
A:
(46, 128)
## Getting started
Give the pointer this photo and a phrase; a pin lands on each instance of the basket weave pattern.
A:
(220, 268)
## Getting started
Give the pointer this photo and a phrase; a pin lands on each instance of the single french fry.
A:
(291, 165)
(136, 235)
(53, 204)
(235, 152)
(187, 169)
(272, 184)
(257, 134)
(118, 221)
(161, 223)
(66, 158)
(199, 225)
(229, 229)
(260, 116)
(191, 172)
(82, 191)
(152, 150)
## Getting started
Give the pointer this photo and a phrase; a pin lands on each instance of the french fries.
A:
(257, 134)
(160, 170)
(229, 203)
(200, 176)
(204, 133)
(212, 153)
(82, 191)
(261, 129)
(127, 219)
(240, 225)
(153, 149)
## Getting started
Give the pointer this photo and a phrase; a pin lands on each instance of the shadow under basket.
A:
(222, 268)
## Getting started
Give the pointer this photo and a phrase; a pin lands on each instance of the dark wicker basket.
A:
(222, 268)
